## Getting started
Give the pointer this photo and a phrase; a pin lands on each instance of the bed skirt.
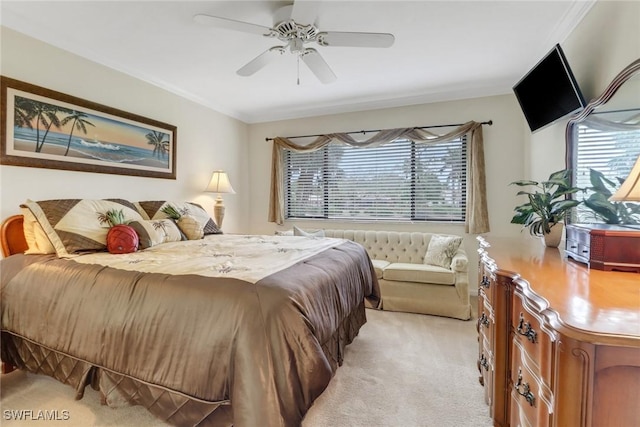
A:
(119, 390)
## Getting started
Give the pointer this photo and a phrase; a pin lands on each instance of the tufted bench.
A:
(407, 283)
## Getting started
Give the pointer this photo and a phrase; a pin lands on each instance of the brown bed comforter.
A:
(263, 351)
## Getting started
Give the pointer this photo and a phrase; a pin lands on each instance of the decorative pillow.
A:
(141, 211)
(441, 250)
(155, 231)
(73, 225)
(191, 227)
(153, 210)
(284, 233)
(37, 240)
(300, 232)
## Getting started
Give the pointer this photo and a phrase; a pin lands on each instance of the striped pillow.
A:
(155, 231)
(153, 210)
(73, 225)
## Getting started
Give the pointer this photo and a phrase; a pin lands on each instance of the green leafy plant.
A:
(112, 217)
(609, 212)
(547, 204)
(171, 212)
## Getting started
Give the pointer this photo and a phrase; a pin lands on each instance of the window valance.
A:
(477, 218)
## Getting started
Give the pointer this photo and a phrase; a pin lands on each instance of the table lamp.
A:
(629, 191)
(219, 184)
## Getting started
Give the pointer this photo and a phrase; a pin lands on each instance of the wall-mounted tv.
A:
(549, 91)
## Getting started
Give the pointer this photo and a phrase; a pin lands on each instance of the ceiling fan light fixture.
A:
(296, 46)
(288, 30)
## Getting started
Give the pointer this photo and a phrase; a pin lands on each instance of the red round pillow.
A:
(122, 239)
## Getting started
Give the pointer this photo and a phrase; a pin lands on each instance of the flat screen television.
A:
(549, 91)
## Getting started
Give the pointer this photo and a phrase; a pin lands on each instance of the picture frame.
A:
(43, 128)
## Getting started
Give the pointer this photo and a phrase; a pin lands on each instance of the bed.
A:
(215, 344)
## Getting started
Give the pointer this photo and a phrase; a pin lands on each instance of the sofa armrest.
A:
(459, 265)
(460, 262)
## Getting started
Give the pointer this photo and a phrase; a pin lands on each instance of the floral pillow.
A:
(441, 250)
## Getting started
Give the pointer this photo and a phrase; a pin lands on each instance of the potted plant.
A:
(547, 206)
(605, 210)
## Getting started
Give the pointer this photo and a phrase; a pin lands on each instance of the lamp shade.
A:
(220, 183)
(629, 191)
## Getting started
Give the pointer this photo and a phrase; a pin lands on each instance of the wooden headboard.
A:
(12, 236)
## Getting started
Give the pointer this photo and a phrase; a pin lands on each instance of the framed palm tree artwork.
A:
(48, 129)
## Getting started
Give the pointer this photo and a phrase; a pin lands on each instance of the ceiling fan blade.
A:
(305, 12)
(337, 38)
(318, 66)
(231, 24)
(260, 61)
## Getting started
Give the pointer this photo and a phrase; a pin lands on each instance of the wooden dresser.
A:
(559, 343)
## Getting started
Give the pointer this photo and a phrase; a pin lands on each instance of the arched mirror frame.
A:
(630, 71)
(627, 73)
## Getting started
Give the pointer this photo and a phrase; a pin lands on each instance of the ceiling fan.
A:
(294, 26)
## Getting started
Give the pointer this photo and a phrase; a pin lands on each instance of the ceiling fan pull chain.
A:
(298, 62)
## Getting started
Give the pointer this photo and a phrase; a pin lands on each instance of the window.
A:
(402, 180)
(612, 153)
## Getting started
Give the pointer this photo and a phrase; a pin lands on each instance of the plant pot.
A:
(552, 239)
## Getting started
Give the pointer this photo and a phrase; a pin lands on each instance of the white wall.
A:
(606, 41)
(206, 139)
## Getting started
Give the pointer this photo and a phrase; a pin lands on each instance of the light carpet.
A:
(403, 369)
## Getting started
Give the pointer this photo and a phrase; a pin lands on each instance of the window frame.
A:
(412, 212)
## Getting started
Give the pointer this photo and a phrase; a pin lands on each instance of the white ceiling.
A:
(443, 50)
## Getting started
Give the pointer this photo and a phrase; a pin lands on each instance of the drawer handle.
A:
(483, 362)
(484, 320)
(526, 391)
(524, 329)
(485, 283)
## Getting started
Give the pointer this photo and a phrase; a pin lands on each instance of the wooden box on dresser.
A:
(559, 343)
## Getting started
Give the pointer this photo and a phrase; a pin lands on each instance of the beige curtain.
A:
(477, 218)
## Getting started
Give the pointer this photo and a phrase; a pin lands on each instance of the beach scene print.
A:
(60, 131)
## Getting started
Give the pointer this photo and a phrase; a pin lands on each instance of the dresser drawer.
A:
(579, 235)
(486, 369)
(535, 343)
(486, 286)
(578, 249)
(486, 321)
(531, 398)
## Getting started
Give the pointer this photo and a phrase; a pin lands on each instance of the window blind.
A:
(402, 180)
(612, 153)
